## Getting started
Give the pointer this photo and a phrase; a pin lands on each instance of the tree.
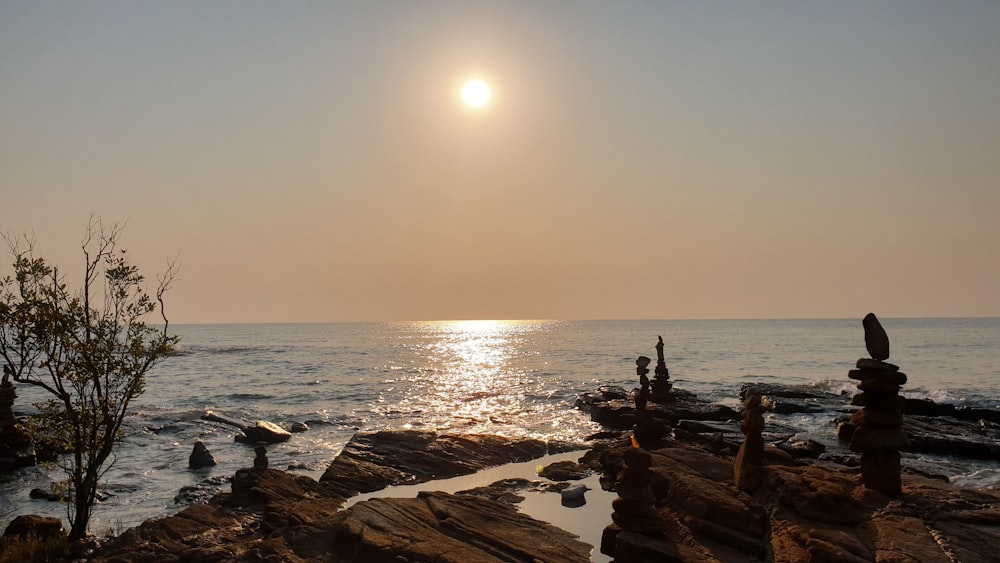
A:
(90, 350)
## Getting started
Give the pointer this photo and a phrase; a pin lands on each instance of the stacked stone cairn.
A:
(637, 533)
(878, 434)
(260, 461)
(641, 370)
(661, 376)
(748, 469)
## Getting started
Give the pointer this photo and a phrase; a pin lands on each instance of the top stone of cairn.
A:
(876, 340)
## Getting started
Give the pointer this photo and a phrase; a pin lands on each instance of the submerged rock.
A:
(564, 471)
(200, 457)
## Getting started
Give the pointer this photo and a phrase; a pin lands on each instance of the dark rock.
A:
(264, 432)
(951, 437)
(869, 438)
(260, 461)
(612, 392)
(200, 457)
(371, 461)
(845, 431)
(748, 467)
(564, 471)
(877, 417)
(876, 340)
(42, 494)
(870, 364)
(780, 406)
(633, 546)
(299, 427)
(201, 492)
(573, 495)
(702, 428)
(30, 526)
(506, 490)
(868, 376)
(885, 401)
(620, 415)
(780, 390)
(211, 416)
(926, 407)
(880, 471)
(803, 448)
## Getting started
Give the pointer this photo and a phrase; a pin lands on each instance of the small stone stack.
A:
(641, 370)
(878, 434)
(260, 462)
(748, 469)
(661, 376)
(638, 530)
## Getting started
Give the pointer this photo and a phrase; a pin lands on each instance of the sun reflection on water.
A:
(466, 376)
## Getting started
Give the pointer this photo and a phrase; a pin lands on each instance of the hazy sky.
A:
(312, 161)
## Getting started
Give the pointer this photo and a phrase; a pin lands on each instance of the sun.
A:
(476, 93)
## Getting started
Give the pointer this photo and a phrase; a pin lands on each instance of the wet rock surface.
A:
(372, 461)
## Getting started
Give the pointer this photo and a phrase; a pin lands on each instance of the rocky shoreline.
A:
(807, 507)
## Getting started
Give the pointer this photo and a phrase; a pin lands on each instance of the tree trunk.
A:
(83, 505)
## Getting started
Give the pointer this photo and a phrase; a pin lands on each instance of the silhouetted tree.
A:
(89, 349)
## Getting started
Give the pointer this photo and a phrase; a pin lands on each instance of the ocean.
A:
(516, 378)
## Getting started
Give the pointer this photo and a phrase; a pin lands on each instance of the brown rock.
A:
(904, 539)
(446, 528)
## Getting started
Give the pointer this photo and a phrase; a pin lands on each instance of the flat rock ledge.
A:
(447, 528)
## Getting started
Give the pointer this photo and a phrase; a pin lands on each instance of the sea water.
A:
(515, 378)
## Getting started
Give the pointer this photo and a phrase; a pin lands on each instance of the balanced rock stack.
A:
(637, 533)
(642, 397)
(661, 376)
(878, 435)
(748, 469)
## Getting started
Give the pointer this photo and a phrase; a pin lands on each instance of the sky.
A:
(313, 161)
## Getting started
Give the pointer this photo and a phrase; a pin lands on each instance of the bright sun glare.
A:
(476, 93)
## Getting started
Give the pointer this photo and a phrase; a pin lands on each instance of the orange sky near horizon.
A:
(314, 162)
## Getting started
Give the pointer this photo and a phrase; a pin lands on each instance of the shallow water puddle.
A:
(586, 521)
